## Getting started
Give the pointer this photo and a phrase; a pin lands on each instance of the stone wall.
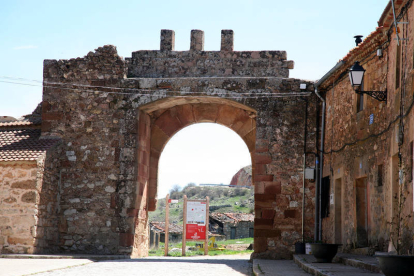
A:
(18, 206)
(242, 229)
(113, 130)
(369, 165)
(199, 63)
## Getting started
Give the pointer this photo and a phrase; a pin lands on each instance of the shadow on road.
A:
(236, 264)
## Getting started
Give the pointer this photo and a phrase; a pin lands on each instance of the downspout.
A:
(318, 219)
(319, 186)
(304, 168)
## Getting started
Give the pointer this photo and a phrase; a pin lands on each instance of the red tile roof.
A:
(26, 122)
(172, 227)
(22, 144)
(232, 217)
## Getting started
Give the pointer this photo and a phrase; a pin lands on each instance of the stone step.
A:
(308, 263)
(361, 261)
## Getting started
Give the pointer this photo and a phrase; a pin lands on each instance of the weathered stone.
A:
(29, 197)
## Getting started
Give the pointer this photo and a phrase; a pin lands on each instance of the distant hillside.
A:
(243, 177)
(222, 199)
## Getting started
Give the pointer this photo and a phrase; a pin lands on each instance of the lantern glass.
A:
(356, 75)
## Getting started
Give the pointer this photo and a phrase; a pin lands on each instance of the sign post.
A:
(184, 224)
(167, 224)
(195, 224)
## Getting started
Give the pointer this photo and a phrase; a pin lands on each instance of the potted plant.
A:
(324, 252)
(398, 262)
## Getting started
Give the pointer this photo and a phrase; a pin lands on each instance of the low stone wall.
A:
(18, 211)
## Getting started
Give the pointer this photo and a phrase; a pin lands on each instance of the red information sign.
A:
(195, 232)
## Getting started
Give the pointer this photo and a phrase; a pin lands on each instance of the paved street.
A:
(232, 265)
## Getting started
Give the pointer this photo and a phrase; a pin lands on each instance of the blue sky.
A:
(315, 34)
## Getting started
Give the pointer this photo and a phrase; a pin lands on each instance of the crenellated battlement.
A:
(168, 63)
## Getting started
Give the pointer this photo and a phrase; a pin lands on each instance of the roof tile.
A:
(22, 144)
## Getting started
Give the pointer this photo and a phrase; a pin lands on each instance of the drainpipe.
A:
(318, 219)
(319, 184)
(304, 168)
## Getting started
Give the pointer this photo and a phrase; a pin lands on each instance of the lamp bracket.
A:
(378, 95)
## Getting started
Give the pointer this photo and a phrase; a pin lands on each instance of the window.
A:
(380, 174)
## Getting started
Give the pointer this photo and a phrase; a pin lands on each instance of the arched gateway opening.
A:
(159, 121)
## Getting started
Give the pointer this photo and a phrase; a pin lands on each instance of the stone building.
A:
(175, 231)
(232, 225)
(22, 158)
(113, 117)
(369, 142)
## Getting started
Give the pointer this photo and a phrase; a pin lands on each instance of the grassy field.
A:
(220, 244)
(222, 200)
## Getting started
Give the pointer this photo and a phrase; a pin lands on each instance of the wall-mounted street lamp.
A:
(356, 76)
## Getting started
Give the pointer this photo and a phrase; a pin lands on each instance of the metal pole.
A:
(207, 221)
(303, 198)
(167, 224)
(321, 170)
(184, 224)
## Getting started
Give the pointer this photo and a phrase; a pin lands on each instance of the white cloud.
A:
(25, 47)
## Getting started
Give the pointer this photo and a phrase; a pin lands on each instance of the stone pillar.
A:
(167, 40)
(197, 40)
(227, 40)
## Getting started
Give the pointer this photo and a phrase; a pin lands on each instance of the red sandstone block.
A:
(113, 201)
(168, 123)
(205, 112)
(291, 213)
(227, 115)
(272, 188)
(260, 244)
(250, 139)
(259, 188)
(264, 197)
(260, 169)
(152, 191)
(154, 161)
(262, 158)
(265, 204)
(142, 129)
(273, 233)
(126, 239)
(152, 204)
(132, 212)
(46, 126)
(52, 116)
(247, 127)
(263, 177)
(158, 138)
(153, 172)
(46, 106)
(261, 223)
(268, 214)
(185, 114)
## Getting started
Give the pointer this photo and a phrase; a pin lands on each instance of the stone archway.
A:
(160, 120)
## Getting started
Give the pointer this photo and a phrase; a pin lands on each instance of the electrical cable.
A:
(204, 94)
